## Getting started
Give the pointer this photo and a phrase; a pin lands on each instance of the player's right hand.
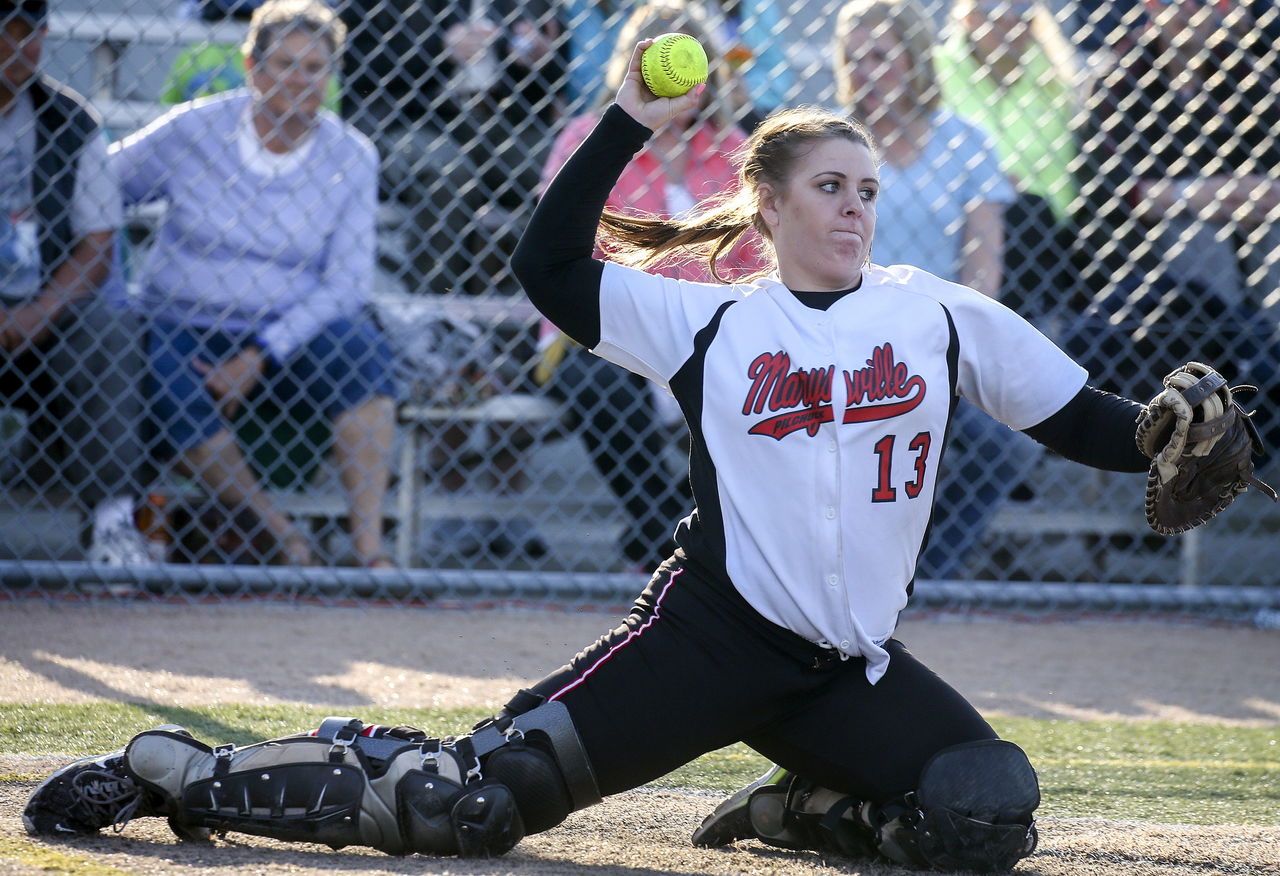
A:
(646, 107)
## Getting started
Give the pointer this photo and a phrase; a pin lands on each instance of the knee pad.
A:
(539, 756)
(393, 794)
(973, 810)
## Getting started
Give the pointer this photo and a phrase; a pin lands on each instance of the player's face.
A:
(292, 74)
(823, 219)
(20, 44)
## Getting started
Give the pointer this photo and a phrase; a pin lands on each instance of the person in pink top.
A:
(626, 424)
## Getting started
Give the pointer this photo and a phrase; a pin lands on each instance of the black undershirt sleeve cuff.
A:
(1095, 428)
(553, 260)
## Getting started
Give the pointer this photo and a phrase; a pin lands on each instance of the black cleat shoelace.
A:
(106, 797)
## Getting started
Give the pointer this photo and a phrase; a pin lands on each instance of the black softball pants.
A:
(694, 668)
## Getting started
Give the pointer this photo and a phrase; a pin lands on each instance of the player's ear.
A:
(767, 204)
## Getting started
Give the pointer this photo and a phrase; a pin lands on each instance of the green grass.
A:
(42, 859)
(1156, 772)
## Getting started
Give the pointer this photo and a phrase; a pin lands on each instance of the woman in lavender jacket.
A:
(261, 271)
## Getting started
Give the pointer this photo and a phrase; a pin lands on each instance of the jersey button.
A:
(831, 513)
(844, 646)
(831, 447)
(833, 580)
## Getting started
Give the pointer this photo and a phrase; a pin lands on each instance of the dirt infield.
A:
(359, 661)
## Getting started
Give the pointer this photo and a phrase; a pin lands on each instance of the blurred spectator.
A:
(1007, 67)
(261, 271)
(214, 67)
(1098, 24)
(460, 98)
(746, 31)
(1181, 188)
(592, 27)
(69, 352)
(626, 425)
(210, 67)
(942, 196)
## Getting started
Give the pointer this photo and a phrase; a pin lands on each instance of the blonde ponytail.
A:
(710, 233)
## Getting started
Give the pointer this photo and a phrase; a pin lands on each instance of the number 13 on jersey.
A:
(885, 491)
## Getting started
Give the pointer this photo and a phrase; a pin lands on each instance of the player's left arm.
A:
(1094, 428)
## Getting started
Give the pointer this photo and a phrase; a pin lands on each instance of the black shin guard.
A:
(399, 792)
(973, 810)
(797, 814)
(420, 797)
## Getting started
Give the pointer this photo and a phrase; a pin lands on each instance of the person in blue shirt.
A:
(261, 270)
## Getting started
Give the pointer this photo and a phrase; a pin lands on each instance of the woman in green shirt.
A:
(1006, 66)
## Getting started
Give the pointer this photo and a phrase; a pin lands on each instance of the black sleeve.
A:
(1095, 428)
(553, 260)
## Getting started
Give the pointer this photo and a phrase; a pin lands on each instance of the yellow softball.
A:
(673, 64)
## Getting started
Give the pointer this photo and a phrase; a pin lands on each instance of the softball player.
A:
(818, 400)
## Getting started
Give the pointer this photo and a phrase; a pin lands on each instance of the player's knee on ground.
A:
(399, 792)
(973, 810)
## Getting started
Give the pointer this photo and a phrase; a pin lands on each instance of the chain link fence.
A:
(245, 354)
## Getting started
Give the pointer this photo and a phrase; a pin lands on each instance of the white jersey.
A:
(816, 434)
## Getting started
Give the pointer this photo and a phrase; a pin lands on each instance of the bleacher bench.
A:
(110, 35)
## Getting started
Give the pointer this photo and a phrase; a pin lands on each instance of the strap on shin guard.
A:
(797, 814)
(443, 817)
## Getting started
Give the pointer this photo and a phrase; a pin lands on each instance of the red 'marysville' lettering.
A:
(774, 385)
(802, 400)
(883, 378)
